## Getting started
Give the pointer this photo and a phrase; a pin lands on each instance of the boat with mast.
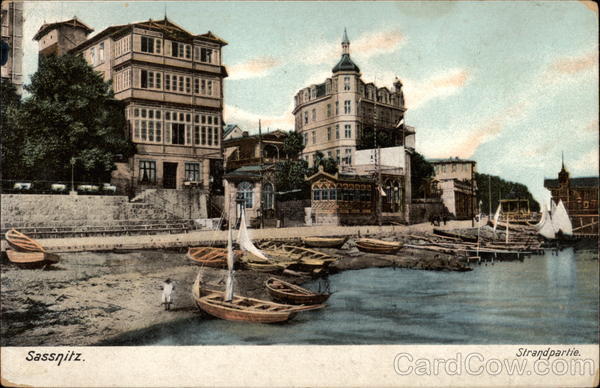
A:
(226, 305)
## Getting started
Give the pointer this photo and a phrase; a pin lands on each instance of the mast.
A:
(489, 196)
(260, 148)
(228, 296)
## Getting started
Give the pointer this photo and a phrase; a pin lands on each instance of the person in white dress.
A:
(168, 288)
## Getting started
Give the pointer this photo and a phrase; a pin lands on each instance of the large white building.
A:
(12, 37)
(344, 115)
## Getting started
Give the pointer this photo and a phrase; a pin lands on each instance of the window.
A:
(337, 156)
(150, 45)
(181, 50)
(196, 86)
(305, 117)
(206, 55)
(101, 52)
(149, 128)
(245, 193)
(348, 131)
(305, 138)
(316, 194)
(314, 115)
(328, 110)
(150, 79)
(337, 131)
(167, 82)
(347, 107)
(188, 85)
(337, 107)
(328, 133)
(93, 56)
(314, 137)
(178, 133)
(268, 196)
(147, 171)
(192, 172)
(346, 83)
(348, 156)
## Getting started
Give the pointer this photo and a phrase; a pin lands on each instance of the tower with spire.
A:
(341, 115)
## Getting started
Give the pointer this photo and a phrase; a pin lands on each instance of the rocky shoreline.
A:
(90, 297)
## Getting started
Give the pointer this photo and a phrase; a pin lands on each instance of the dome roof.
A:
(345, 64)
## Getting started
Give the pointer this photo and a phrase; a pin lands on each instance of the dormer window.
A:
(346, 83)
(181, 50)
(206, 55)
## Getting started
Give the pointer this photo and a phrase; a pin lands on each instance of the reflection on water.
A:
(552, 298)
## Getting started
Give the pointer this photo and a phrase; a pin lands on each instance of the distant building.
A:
(171, 81)
(580, 197)
(12, 37)
(250, 174)
(456, 180)
(344, 115)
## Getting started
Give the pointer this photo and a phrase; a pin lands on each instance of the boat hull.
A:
(243, 309)
(324, 242)
(31, 259)
(378, 246)
(209, 256)
(22, 243)
(291, 293)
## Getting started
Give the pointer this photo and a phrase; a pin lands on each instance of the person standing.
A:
(168, 288)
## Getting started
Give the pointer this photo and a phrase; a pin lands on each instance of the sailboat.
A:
(556, 222)
(226, 305)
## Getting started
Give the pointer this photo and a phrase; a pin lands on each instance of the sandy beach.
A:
(90, 297)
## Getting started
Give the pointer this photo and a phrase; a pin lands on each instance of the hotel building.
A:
(171, 82)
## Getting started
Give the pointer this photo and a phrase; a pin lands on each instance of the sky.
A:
(510, 85)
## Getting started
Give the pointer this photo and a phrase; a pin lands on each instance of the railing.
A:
(234, 164)
(24, 186)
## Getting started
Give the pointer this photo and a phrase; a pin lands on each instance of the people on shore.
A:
(168, 287)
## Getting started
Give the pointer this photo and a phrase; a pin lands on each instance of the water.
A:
(544, 299)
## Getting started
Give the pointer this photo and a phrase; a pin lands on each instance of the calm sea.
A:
(551, 298)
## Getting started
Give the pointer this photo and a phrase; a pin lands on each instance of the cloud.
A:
(566, 67)
(253, 68)
(592, 126)
(587, 164)
(249, 120)
(439, 85)
(365, 46)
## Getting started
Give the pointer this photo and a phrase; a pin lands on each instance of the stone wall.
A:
(31, 210)
(292, 210)
(189, 203)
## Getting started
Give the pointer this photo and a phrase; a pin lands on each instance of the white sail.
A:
(245, 242)
(543, 218)
(230, 264)
(561, 220)
(497, 217)
(546, 227)
(552, 207)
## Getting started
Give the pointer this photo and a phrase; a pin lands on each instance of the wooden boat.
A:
(260, 266)
(227, 305)
(378, 246)
(22, 243)
(446, 233)
(324, 242)
(31, 259)
(290, 293)
(210, 256)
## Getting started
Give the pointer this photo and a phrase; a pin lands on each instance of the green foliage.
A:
(292, 145)
(330, 165)
(10, 141)
(421, 176)
(70, 113)
(290, 174)
(501, 189)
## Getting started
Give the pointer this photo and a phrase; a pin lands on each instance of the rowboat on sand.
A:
(324, 242)
(210, 256)
(22, 243)
(286, 292)
(378, 246)
(31, 259)
(226, 305)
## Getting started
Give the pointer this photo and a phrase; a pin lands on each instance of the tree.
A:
(290, 176)
(71, 114)
(501, 189)
(330, 165)
(11, 143)
(421, 174)
(293, 144)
